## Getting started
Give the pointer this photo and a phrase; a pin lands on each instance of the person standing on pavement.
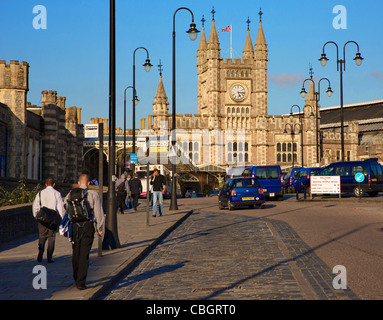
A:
(51, 199)
(122, 192)
(135, 189)
(158, 183)
(83, 232)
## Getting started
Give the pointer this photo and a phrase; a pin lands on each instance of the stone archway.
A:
(90, 164)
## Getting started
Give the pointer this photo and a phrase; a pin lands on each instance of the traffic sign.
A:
(359, 177)
(133, 158)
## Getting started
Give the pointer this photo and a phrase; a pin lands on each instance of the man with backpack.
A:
(84, 210)
(122, 191)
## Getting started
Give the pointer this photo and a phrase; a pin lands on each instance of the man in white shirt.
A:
(51, 199)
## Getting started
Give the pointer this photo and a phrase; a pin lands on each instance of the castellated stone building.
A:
(37, 142)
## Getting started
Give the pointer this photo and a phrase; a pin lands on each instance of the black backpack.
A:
(78, 207)
(121, 187)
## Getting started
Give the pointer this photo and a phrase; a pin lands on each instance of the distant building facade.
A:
(36, 142)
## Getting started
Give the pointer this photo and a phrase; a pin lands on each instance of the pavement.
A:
(19, 258)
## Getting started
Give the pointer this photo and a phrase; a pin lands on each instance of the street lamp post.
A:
(135, 103)
(317, 99)
(301, 125)
(147, 65)
(292, 132)
(341, 66)
(111, 240)
(193, 33)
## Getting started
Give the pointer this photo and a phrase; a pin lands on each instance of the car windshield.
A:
(314, 172)
(246, 183)
(237, 171)
(267, 173)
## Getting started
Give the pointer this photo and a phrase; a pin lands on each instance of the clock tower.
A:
(232, 92)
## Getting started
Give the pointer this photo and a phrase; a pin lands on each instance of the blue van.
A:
(373, 173)
(301, 178)
(288, 180)
(270, 178)
(236, 172)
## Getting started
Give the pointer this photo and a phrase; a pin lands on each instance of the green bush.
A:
(21, 194)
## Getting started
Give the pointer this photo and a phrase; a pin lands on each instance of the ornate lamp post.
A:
(193, 33)
(341, 66)
(301, 126)
(317, 99)
(147, 65)
(135, 104)
(292, 132)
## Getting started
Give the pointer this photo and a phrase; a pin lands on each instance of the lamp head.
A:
(136, 100)
(193, 32)
(323, 60)
(291, 116)
(358, 59)
(329, 92)
(147, 65)
(303, 92)
(312, 116)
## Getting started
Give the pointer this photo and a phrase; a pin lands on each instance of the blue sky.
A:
(72, 55)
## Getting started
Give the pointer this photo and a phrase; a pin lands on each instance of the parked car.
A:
(270, 178)
(372, 184)
(301, 178)
(288, 180)
(213, 193)
(241, 192)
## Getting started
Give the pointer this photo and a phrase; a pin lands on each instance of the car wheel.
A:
(220, 206)
(358, 192)
(230, 206)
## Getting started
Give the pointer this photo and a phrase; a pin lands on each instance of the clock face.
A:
(238, 92)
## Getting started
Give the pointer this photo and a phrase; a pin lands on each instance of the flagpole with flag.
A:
(230, 28)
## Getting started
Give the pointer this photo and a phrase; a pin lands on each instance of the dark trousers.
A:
(121, 201)
(135, 199)
(44, 235)
(83, 235)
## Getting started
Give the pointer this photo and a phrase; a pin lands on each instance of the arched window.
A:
(279, 157)
(294, 147)
(295, 157)
(279, 147)
(232, 73)
(196, 146)
(190, 146)
(246, 146)
(243, 110)
(233, 110)
(247, 110)
(246, 157)
(240, 146)
(237, 110)
(196, 157)
(240, 157)
(289, 157)
(242, 74)
(185, 146)
(229, 158)
(228, 110)
(246, 74)
(234, 146)
(230, 146)
(284, 157)
(284, 147)
(289, 147)
(191, 156)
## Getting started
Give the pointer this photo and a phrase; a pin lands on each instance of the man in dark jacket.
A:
(135, 189)
(158, 183)
(122, 192)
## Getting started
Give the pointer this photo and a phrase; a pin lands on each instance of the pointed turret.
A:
(260, 48)
(213, 45)
(201, 52)
(160, 105)
(248, 52)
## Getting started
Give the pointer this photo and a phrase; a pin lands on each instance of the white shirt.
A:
(51, 199)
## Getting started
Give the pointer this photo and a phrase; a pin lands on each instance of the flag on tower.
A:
(226, 29)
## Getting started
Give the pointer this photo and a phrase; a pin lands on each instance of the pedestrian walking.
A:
(135, 189)
(159, 186)
(84, 210)
(51, 199)
(122, 192)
